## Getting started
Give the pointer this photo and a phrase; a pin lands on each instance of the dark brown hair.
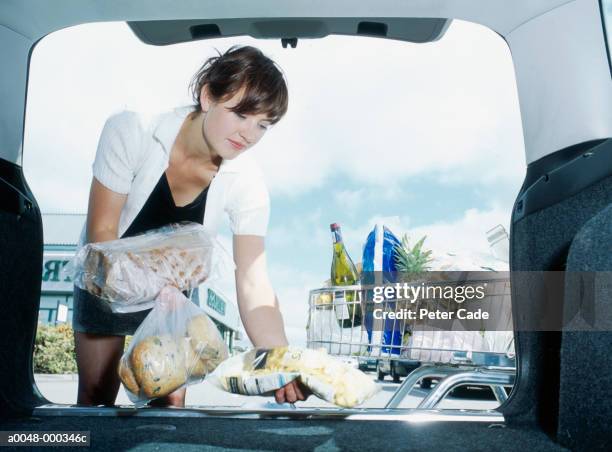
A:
(243, 67)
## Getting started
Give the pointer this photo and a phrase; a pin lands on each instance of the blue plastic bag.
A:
(379, 252)
(379, 268)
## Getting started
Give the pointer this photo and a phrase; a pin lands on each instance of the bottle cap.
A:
(334, 226)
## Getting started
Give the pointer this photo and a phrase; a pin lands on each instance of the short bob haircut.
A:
(243, 67)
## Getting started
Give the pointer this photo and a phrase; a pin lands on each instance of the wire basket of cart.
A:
(450, 340)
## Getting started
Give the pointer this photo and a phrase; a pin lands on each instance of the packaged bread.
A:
(206, 343)
(176, 345)
(262, 371)
(129, 273)
(127, 376)
(158, 365)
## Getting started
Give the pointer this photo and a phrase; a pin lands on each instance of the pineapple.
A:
(411, 262)
(412, 259)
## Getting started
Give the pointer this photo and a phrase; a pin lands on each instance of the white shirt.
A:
(133, 152)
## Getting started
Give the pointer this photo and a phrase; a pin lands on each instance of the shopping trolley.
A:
(342, 321)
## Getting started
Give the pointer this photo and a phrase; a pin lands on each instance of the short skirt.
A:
(92, 315)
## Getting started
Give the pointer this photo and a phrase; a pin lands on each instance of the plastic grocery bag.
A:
(379, 268)
(262, 371)
(432, 345)
(439, 343)
(379, 253)
(176, 345)
(465, 261)
(129, 273)
(325, 332)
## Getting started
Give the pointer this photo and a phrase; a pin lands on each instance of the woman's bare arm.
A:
(103, 213)
(259, 308)
(257, 302)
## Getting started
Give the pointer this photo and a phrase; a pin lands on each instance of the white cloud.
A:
(372, 110)
(291, 166)
(350, 201)
(466, 235)
(398, 110)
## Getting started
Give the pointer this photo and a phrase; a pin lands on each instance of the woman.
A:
(186, 165)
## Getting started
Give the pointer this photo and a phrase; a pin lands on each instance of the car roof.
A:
(34, 19)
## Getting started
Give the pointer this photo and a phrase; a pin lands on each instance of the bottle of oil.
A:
(343, 273)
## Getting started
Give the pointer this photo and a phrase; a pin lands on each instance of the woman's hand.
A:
(292, 392)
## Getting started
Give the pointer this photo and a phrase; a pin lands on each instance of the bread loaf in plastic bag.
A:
(262, 371)
(129, 273)
(176, 345)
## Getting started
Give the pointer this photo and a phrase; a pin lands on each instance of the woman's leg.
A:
(97, 361)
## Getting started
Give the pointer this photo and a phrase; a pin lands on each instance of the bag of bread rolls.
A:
(129, 273)
(176, 345)
(262, 371)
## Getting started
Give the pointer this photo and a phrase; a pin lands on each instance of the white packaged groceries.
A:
(427, 343)
(439, 346)
(262, 371)
(324, 332)
(176, 345)
(465, 261)
(129, 273)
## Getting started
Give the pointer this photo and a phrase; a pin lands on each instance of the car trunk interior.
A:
(565, 195)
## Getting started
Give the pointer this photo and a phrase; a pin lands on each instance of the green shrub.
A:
(54, 350)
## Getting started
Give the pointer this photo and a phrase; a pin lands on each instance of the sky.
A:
(425, 138)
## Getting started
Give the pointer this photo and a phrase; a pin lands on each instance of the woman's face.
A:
(229, 134)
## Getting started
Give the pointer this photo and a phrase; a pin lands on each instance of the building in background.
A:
(61, 232)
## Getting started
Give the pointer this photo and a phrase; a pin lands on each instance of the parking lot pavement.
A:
(63, 389)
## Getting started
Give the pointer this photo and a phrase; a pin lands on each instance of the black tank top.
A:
(160, 210)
